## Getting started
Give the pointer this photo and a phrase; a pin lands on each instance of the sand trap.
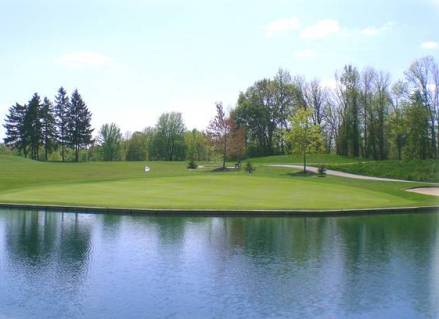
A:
(434, 191)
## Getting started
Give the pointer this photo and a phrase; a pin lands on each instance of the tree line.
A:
(363, 115)
(170, 140)
(44, 126)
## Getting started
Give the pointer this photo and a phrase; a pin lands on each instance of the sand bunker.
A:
(434, 191)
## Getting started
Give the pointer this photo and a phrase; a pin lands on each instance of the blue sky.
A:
(134, 59)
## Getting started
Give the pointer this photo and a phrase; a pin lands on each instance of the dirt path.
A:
(342, 174)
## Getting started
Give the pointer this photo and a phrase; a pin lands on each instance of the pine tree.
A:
(79, 131)
(32, 126)
(61, 117)
(48, 129)
(15, 128)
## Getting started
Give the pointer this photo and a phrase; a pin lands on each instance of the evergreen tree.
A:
(32, 126)
(48, 129)
(79, 131)
(61, 117)
(14, 125)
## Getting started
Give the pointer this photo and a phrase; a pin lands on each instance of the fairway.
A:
(171, 185)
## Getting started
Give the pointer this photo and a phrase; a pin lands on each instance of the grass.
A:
(427, 170)
(424, 171)
(311, 159)
(171, 185)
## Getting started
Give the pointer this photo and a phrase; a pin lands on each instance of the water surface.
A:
(66, 265)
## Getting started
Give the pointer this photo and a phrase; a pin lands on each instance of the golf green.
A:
(171, 185)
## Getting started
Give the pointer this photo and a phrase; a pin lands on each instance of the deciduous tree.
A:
(168, 141)
(218, 131)
(110, 138)
(305, 136)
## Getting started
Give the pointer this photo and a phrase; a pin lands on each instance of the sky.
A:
(132, 60)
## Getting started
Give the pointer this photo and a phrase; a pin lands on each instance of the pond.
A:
(67, 265)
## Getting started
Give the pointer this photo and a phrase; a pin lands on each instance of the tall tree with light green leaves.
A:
(197, 145)
(348, 95)
(305, 136)
(137, 149)
(110, 138)
(418, 145)
(168, 141)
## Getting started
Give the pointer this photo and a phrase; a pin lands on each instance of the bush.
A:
(192, 164)
(249, 168)
(4, 150)
(322, 170)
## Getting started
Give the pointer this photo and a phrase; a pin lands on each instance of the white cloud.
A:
(373, 30)
(430, 45)
(281, 25)
(78, 59)
(370, 31)
(321, 29)
(305, 54)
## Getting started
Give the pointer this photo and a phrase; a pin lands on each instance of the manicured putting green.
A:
(215, 192)
(171, 185)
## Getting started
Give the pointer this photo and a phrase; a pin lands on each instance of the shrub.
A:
(249, 168)
(192, 164)
(322, 170)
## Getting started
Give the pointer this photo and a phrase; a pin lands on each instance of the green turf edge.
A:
(220, 212)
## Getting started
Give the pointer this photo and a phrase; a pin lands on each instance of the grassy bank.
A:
(171, 185)
(311, 159)
(424, 171)
(427, 170)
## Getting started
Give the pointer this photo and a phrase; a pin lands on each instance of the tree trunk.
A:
(304, 162)
(399, 151)
(433, 137)
(225, 151)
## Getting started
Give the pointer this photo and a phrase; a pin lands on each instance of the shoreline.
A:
(225, 213)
